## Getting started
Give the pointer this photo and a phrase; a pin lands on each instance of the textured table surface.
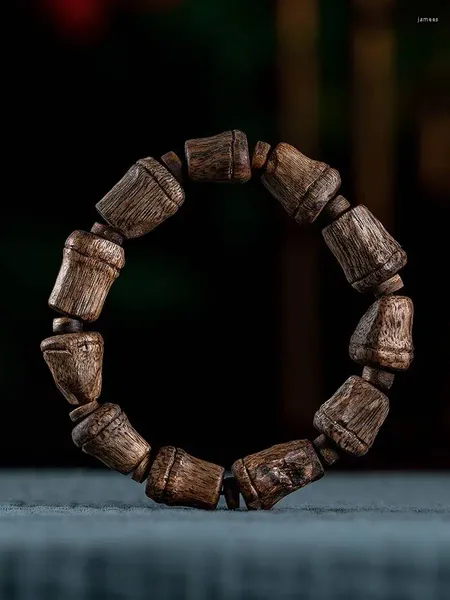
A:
(91, 535)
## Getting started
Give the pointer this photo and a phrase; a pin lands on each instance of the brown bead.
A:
(260, 155)
(90, 266)
(231, 492)
(145, 196)
(379, 379)
(108, 435)
(353, 416)
(81, 412)
(302, 185)
(335, 208)
(326, 449)
(390, 286)
(219, 158)
(75, 361)
(142, 470)
(383, 337)
(178, 479)
(67, 325)
(366, 252)
(266, 477)
(174, 164)
(107, 232)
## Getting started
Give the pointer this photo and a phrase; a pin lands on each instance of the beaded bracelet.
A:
(149, 193)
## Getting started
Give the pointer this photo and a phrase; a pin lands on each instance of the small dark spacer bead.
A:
(173, 162)
(260, 155)
(326, 450)
(335, 208)
(81, 412)
(108, 233)
(230, 491)
(67, 325)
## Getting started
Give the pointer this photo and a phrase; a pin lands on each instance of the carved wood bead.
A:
(75, 361)
(302, 185)
(383, 336)
(379, 379)
(90, 266)
(353, 416)
(174, 164)
(266, 477)
(67, 325)
(145, 196)
(107, 232)
(260, 155)
(108, 435)
(221, 158)
(366, 252)
(326, 450)
(178, 479)
(81, 412)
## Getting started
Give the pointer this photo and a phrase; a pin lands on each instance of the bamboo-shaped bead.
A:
(145, 196)
(383, 336)
(222, 158)
(353, 416)
(366, 252)
(75, 361)
(90, 266)
(266, 477)
(178, 479)
(108, 435)
(302, 185)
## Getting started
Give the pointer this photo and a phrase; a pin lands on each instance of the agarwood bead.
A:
(90, 266)
(326, 450)
(260, 155)
(335, 208)
(81, 412)
(219, 158)
(141, 471)
(231, 492)
(302, 185)
(380, 379)
(75, 361)
(107, 232)
(108, 435)
(383, 336)
(178, 479)
(174, 164)
(366, 252)
(67, 325)
(353, 416)
(266, 477)
(390, 286)
(145, 196)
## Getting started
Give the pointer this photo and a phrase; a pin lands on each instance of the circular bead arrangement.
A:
(149, 193)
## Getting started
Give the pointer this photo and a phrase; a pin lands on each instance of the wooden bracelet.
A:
(147, 195)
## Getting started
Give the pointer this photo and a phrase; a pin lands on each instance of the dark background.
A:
(229, 324)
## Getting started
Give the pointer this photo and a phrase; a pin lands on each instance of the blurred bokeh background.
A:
(230, 324)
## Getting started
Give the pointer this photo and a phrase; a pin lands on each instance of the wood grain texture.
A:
(335, 208)
(174, 164)
(390, 286)
(366, 252)
(353, 416)
(178, 479)
(383, 336)
(222, 158)
(107, 232)
(108, 435)
(142, 470)
(67, 325)
(81, 412)
(379, 379)
(326, 450)
(75, 360)
(302, 185)
(90, 266)
(145, 197)
(260, 155)
(231, 492)
(268, 476)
